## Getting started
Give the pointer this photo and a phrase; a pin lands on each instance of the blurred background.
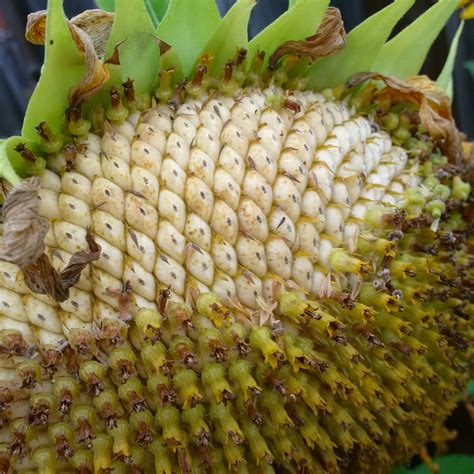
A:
(20, 65)
(20, 62)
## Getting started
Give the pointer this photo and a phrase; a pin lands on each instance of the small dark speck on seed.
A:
(108, 226)
(202, 194)
(41, 317)
(68, 235)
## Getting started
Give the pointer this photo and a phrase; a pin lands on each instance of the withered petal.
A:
(23, 229)
(434, 107)
(329, 38)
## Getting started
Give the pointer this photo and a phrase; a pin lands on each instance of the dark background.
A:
(20, 62)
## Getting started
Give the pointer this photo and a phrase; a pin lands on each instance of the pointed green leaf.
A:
(445, 78)
(63, 68)
(7, 170)
(230, 34)
(187, 27)
(363, 45)
(139, 52)
(106, 5)
(301, 21)
(405, 54)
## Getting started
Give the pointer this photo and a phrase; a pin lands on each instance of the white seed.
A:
(200, 265)
(152, 135)
(208, 141)
(217, 107)
(79, 303)
(252, 220)
(351, 235)
(334, 223)
(232, 163)
(160, 118)
(294, 168)
(146, 184)
(50, 180)
(91, 142)
(269, 139)
(101, 311)
(116, 146)
(48, 204)
(141, 248)
(140, 280)
(235, 138)
(224, 287)
(302, 272)
(199, 197)
(125, 129)
(211, 121)
(325, 248)
(70, 237)
(77, 185)
(172, 207)
(251, 254)
(319, 280)
(106, 287)
(23, 328)
(185, 129)
(280, 223)
(342, 138)
(140, 215)
(226, 188)
(117, 171)
(202, 165)
(88, 164)
(74, 210)
(170, 273)
(246, 122)
(111, 258)
(279, 257)
(11, 305)
(256, 188)
(302, 127)
(315, 120)
(224, 256)
(41, 314)
(198, 231)
(12, 277)
(173, 177)
(262, 162)
(146, 156)
(70, 322)
(296, 143)
(323, 179)
(312, 206)
(341, 197)
(249, 289)
(109, 228)
(287, 197)
(308, 238)
(224, 221)
(108, 197)
(46, 339)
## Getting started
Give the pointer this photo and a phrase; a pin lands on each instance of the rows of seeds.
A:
(245, 194)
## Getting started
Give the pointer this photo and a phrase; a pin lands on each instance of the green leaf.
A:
(231, 33)
(187, 27)
(291, 3)
(106, 5)
(445, 78)
(139, 52)
(301, 21)
(363, 45)
(405, 54)
(62, 69)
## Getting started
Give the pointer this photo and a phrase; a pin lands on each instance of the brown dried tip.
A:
(70, 152)
(434, 107)
(26, 153)
(330, 37)
(198, 75)
(129, 90)
(42, 278)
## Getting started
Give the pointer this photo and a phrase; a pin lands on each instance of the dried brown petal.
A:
(90, 31)
(434, 107)
(330, 37)
(42, 278)
(24, 230)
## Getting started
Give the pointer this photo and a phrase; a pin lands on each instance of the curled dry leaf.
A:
(90, 31)
(330, 37)
(434, 107)
(42, 278)
(23, 229)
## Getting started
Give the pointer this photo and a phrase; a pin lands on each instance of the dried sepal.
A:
(434, 107)
(329, 38)
(24, 230)
(42, 278)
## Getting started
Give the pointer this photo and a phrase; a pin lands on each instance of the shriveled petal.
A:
(330, 37)
(23, 229)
